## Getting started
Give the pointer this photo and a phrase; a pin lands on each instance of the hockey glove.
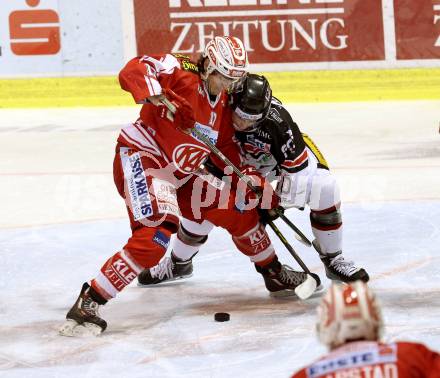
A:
(261, 196)
(268, 215)
(183, 118)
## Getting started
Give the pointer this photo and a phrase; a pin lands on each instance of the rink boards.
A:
(301, 86)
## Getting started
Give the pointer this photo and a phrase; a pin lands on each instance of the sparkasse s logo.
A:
(34, 31)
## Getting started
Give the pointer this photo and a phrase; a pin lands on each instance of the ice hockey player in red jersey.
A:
(273, 144)
(350, 324)
(155, 154)
(245, 226)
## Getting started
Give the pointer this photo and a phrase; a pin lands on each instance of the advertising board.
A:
(60, 38)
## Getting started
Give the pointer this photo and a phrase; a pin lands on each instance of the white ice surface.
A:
(61, 218)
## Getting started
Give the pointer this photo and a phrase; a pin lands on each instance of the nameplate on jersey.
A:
(351, 360)
(206, 131)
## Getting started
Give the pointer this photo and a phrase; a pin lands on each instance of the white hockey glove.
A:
(292, 190)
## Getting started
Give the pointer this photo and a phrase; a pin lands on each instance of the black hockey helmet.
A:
(252, 102)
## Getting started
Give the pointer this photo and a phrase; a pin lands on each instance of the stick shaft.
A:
(242, 176)
(289, 247)
(301, 236)
(213, 148)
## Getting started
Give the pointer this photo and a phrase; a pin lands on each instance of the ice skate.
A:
(339, 269)
(169, 269)
(83, 318)
(282, 280)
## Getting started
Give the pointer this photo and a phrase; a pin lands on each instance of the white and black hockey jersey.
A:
(276, 144)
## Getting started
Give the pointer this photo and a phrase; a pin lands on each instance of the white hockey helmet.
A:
(348, 313)
(228, 56)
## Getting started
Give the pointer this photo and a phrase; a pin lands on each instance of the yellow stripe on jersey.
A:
(314, 148)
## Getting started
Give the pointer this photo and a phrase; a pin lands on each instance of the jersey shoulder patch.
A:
(186, 63)
(274, 114)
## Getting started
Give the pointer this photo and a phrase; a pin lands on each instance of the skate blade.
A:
(290, 293)
(283, 294)
(307, 288)
(174, 279)
(319, 290)
(72, 329)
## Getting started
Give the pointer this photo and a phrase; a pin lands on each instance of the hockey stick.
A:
(308, 287)
(298, 234)
(213, 148)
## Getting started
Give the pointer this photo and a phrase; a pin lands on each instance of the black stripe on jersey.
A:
(296, 169)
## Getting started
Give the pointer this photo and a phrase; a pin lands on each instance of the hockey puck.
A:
(222, 317)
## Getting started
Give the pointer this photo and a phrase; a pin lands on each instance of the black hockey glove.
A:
(267, 215)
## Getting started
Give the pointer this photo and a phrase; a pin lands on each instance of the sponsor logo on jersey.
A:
(263, 134)
(256, 237)
(120, 274)
(207, 131)
(161, 239)
(350, 360)
(188, 157)
(166, 197)
(137, 185)
(187, 65)
(275, 115)
(259, 240)
(254, 145)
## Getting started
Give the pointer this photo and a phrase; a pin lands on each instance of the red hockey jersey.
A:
(366, 359)
(146, 76)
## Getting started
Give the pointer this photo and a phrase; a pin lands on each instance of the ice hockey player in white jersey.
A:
(273, 143)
